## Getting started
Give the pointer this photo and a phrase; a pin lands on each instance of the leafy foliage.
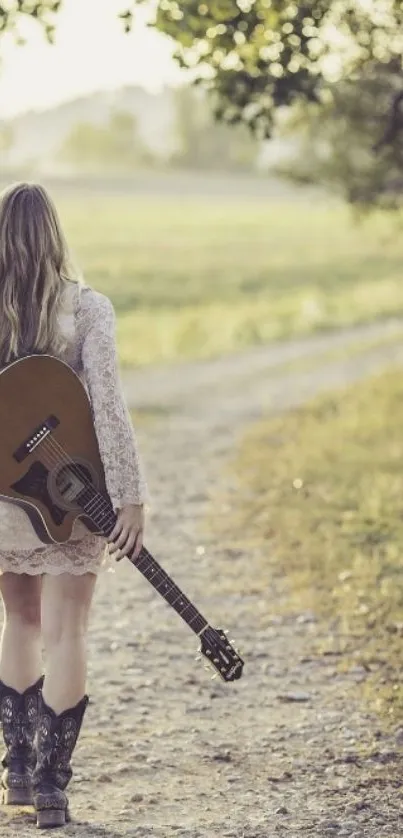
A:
(259, 55)
(344, 145)
(43, 11)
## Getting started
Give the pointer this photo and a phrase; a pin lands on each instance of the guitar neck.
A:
(169, 590)
(99, 509)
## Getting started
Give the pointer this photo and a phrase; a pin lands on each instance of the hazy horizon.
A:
(38, 75)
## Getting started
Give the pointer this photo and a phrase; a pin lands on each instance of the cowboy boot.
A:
(56, 739)
(18, 716)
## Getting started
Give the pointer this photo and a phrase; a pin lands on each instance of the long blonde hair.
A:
(34, 261)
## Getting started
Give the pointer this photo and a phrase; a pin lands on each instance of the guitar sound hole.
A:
(69, 483)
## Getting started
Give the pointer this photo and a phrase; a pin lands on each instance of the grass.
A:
(320, 505)
(192, 278)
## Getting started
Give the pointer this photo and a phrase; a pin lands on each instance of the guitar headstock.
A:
(216, 647)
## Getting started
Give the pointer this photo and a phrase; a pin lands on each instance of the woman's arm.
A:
(116, 437)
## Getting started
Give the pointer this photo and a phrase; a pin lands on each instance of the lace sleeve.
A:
(116, 437)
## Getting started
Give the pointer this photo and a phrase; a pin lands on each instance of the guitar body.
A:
(45, 410)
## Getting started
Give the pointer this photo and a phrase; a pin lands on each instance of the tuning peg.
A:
(198, 658)
(214, 676)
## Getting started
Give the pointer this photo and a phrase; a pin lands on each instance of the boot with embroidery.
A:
(56, 739)
(18, 717)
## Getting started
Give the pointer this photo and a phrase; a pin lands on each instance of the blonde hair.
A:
(34, 261)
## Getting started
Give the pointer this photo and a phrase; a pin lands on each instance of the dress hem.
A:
(53, 571)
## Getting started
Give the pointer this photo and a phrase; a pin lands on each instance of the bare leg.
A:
(66, 601)
(20, 649)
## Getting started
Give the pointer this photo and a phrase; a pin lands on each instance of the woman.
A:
(47, 590)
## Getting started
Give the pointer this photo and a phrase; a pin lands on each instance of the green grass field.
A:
(192, 278)
(319, 508)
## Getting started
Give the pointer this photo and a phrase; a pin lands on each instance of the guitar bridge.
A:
(39, 434)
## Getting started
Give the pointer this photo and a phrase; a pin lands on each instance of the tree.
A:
(203, 143)
(116, 145)
(258, 55)
(336, 66)
(341, 146)
(43, 11)
(6, 137)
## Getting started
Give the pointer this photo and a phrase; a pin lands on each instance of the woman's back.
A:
(42, 311)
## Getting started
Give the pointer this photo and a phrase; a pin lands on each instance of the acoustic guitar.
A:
(50, 465)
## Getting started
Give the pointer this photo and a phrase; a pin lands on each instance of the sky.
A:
(84, 57)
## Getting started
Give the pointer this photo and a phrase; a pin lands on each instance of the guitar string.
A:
(58, 451)
(102, 503)
(52, 459)
(53, 449)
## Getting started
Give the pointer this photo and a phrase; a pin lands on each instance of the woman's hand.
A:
(127, 532)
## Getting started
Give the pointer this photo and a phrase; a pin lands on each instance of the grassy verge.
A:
(192, 278)
(321, 505)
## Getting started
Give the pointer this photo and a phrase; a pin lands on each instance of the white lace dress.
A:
(87, 321)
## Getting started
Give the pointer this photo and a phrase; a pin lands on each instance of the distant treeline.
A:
(199, 142)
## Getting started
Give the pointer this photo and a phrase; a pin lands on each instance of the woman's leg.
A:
(20, 645)
(20, 683)
(66, 601)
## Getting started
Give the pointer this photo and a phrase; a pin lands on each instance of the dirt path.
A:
(167, 752)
